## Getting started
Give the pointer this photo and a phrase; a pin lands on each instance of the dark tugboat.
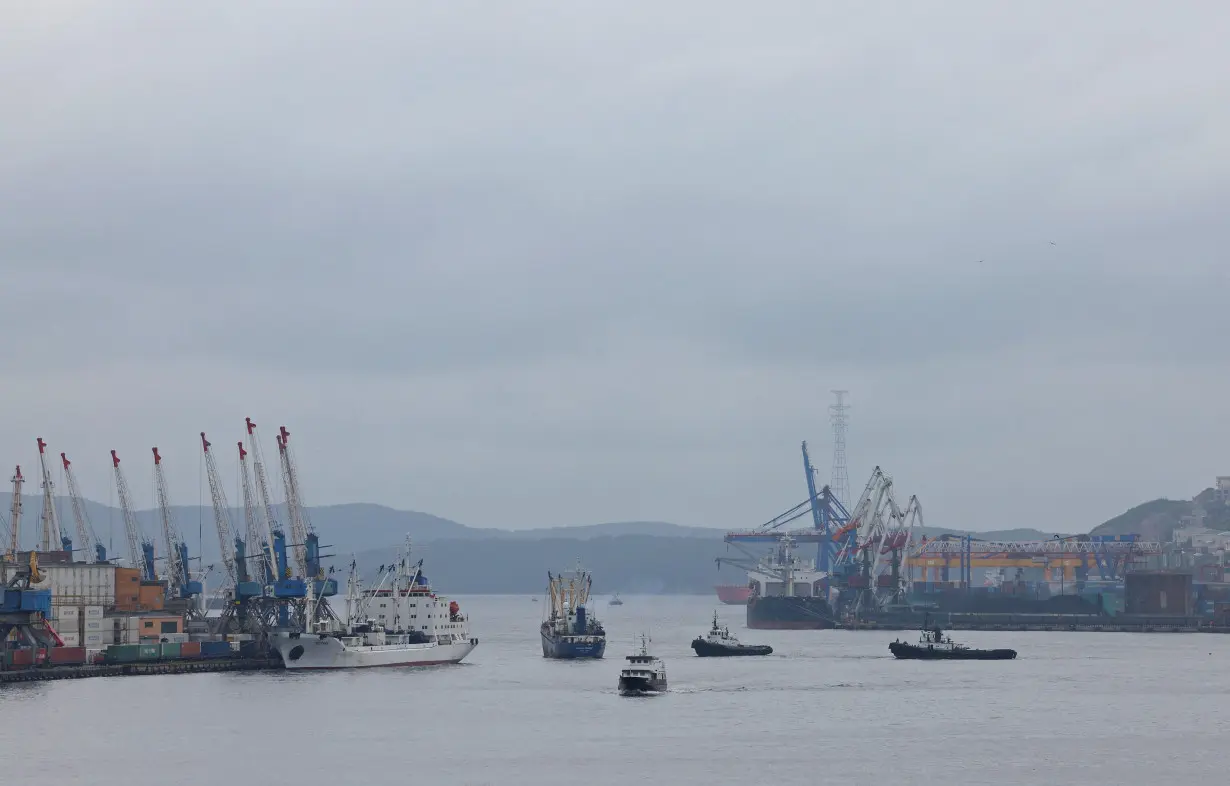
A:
(719, 643)
(934, 645)
(644, 675)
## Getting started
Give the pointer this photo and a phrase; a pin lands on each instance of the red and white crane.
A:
(260, 566)
(299, 526)
(50, 540)
(140, 548)
(89, 543)
(222, 513)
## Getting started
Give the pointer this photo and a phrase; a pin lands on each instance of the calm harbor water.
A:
(826, 707)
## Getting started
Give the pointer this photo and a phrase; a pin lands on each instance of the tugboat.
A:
(644, 675)
(569, 632)
(934, 645)
(615, 601)
(720, 643)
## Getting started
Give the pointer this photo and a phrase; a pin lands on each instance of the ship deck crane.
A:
(90, 542)
(140, 548)
(179, 573)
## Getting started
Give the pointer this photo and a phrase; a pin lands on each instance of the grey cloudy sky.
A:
(533, 264)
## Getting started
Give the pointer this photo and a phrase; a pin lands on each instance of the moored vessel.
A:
(399, 622)
(570, 631)
(615, 601)
(733, 594)
(644, 675)
(934, 645)
(721, 643)
(787, 593)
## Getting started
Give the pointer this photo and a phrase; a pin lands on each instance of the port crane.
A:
(307, 542)
(180, 584)
(868, 565)
(52, 538)
(14, 544)
(140, 548)
(90, 542)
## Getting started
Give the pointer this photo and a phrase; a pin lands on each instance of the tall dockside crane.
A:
(277, 565)
(288, 591)
(51, 537)
(85, 530)
(258, 566)
(180, 583)
(15, 515)
(227, 543)
(140, 548)
(307, 542)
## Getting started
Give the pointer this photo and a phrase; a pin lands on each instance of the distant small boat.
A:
(720, 643)
(934, 645)
(615, 601)
(644, 675)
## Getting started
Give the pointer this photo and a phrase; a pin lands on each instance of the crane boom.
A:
(85, 530)
(51, 537)
(222, 514)
(176, 567)
(140, 550)
(294, 510)
(259, 537)
(15, 514)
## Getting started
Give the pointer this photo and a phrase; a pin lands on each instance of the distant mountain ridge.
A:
(630, 556)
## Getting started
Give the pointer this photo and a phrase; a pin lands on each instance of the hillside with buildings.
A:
(1205, 516)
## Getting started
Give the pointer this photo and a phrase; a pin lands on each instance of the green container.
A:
(171, 651)
(122, 653)
(150, 651)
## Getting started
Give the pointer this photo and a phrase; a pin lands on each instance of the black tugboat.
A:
(721, 644)
(644, 675)
(934, 645)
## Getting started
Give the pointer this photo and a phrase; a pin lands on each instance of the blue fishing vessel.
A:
(570, 631)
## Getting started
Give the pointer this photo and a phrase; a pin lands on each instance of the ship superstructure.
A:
(400, 621)
(570, 631)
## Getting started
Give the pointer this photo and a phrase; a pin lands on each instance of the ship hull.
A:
(903, 651)
(573, 647)
(733, 594)
(789, 613)
(327, 652)
(705, 649)
(640, 686)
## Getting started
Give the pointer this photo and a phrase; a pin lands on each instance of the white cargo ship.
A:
(399, 622)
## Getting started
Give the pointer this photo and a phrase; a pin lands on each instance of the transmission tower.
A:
(840, 482)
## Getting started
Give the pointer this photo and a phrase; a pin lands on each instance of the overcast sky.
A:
(534, 264)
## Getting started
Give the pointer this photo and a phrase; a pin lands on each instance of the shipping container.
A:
(95, 625)
(122, 653)
(98, 640)
(92, 612)
(190, 649)
(215, 649)
(171, 651)
(68, 655)
(67, 612)
(70, 639)
(79, 584)
(149, 652)
(22, 657)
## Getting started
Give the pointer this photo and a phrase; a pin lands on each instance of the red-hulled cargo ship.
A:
(733, 594)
